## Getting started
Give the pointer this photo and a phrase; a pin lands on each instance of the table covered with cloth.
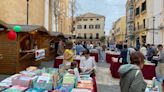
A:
(59, 60)
(110, 55)
(148, 69)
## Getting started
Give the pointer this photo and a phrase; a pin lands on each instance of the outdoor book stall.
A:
(20, 53)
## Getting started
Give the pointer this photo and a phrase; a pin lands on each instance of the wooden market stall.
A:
(50, 44)
(19, 54)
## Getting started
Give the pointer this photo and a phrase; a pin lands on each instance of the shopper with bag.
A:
(131, 78)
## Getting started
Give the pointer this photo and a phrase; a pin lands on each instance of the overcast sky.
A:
(111, 9)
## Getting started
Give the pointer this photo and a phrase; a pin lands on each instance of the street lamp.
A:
(153, 28)
(27, 10)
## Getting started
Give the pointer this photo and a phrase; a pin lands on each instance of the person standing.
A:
(124, 54)
(131, 77)
(79, 48)
(60, 49)
(68, 54)
(99, 49)
(149, 52)
(143, 50)
(161, 60)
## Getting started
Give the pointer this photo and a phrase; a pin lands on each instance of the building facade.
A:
(130, 22)
(90, 26)
(119, 29)
(40, 12)
(15, 11)
(147, 18)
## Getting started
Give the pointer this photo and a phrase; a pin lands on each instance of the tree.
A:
(73, 11)
(56, 12)
(102, 39)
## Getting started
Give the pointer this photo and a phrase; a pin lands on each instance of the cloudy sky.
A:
(111, 9)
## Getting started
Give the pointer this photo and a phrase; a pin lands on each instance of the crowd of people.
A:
(70, 49)
(133, 59)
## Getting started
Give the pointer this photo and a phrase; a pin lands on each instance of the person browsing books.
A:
(87, 63)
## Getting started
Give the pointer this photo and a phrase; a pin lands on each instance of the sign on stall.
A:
(39, 54)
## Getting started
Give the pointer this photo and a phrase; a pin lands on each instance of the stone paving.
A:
(105, 82)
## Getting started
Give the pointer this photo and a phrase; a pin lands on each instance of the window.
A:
(91, 26)
(97, 35)
(97, 26)
(78, 19)
(137, 11)
(79, 27)
(143, 6)
(144, 25)
(91, 19)
(85, 19)
(85, 26)
(85, 35)
(91, 35)
(97, 19)
(138, 25)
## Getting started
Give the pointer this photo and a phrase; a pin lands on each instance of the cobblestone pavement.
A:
(105, 82)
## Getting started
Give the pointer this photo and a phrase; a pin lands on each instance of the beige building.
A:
(64, 21)
(119, 29)
(15, 12)
(90, 26)
(40, 12)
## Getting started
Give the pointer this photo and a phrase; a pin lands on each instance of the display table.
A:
(95, 54)
(148, 69)
(114, 66)
(110, 54)
(150, 88)
(48, 80)
(59, 60)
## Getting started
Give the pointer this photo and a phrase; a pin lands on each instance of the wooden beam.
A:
(25, 36)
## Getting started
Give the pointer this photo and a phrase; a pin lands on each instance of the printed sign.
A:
(39, 54)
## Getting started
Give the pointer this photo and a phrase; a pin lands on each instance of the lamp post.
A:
(153, 28)
(27, 10)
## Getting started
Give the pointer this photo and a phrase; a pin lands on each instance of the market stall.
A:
(18, 54)
(50, 44)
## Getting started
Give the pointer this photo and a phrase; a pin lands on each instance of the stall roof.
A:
(28, 28)
(3, 24)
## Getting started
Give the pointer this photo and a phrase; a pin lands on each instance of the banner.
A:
(39, 54)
